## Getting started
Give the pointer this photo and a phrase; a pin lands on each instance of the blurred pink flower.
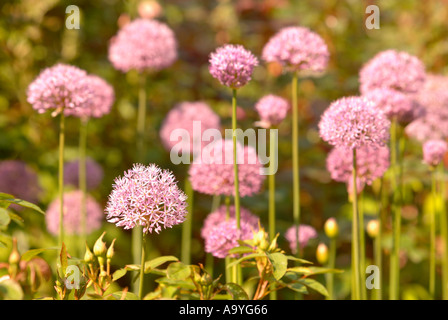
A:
(272, 110)
(143, 45)
(213, 173)
(72, 214)
(433, 151)
(297, 48)
(305, 232)
(353, 122)
(146, 196)
(58, 87)
(232, 65)
(94, 173)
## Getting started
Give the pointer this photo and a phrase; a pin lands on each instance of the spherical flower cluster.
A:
(394, 70)
(433, 151)
(232, 65)
(434, 98)
(219, 215)
(72, 214)
(272, 110)
(19, 180)
(297, 48)
(396, 104)
(305, 232)
(225, 235)
(143, 45)
(101, 102)
(213, 173)
(59, 87)
(371, 163)
(94, 173)
(146, 196)
(352, 122)
(193, 118)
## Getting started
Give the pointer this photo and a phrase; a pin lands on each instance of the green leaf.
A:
(10, 290)
(128, 295)
(5, 219)
(178, 271)
(177, 283)
(34, 252)
(250, 256)
(16, 218)
(297, 287)
(154, 263)
(119, 274)
(279, 264)
(307, 271)
(236, 291)
(313, 284)
(4, 197)
(240, 250)
(132, 267)
(299, 260)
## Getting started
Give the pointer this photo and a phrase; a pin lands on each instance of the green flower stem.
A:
(356, 276)
(295, 156)
(432, 245)
(331, 265)
(187, 225)
(378, 240)
(209, 260)
(61, 176)
(83, 183)
(142, 266)
(272, 165)
(443, 232)
(362, 247)
(227, 258)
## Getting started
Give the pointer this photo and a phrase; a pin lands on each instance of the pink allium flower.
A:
(220, 215)
(182, 116)
(146, 196)
(272, 110)
(394, 70)
(72, 214)
(297, 48)
(19, 180)
(214, 175)
(353, 122)
(371, 163)
(433, 151)
(232, 65)
(94, 173)
(396, 104)
(225, 235)
(61, 86)
(101, 102)
(434, 98)
(143, 45)
(306, 233)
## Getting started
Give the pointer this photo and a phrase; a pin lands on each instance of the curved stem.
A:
(61, 176)
(295, 156)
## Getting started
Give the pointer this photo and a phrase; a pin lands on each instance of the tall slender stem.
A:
(432, 245)
(227, 258)
(235, 163)
(272, 165)
(142, 266)
(61, 176)
(331, 265)
(356, 295)
(83, 182)
(378, 240)
(187, 225)
(362, 246)
(443, 232)
(295, 156)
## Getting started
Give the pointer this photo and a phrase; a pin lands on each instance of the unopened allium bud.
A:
(331, 228)
(110, 252)
(206, 279)
(88, 256)
(322, 253)
(99, 249)
(373, 227)
(14, 256)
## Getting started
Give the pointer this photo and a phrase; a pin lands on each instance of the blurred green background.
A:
(33, 36)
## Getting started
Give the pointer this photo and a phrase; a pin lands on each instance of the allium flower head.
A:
(146, 196)
(371, 163)
(72, 214)
(434, 98)
(93, 169)
(143, 45)
(352, 122)
(58, 87)
(218, 216)
(395, 104)
(99, 104)
(433, 151)
(213, 173)
(18, 179)
(306, 233)
(297, 48)
(225, 235)
(193, 118)
(272, 110)
(394, 70)
(232, 65)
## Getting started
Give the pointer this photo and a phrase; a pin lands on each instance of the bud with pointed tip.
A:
(110, 252)
(99, 249)
(88, 256)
